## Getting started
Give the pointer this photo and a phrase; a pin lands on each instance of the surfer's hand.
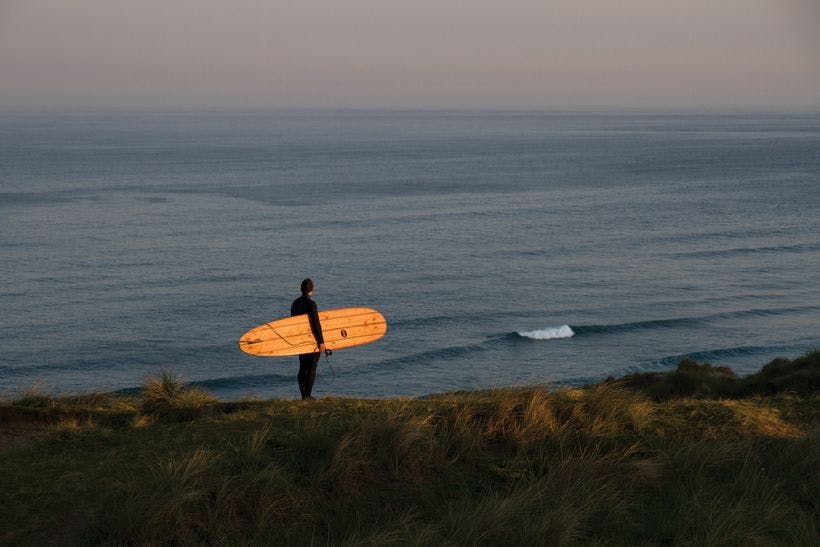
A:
(321, 348)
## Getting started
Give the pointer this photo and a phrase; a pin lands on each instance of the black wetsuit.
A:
(308, 361)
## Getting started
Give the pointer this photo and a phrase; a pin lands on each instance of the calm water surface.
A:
(503, 248)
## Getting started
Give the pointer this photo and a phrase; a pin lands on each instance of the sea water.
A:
(504, 248)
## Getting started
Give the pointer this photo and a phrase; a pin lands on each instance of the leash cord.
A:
(333, 372)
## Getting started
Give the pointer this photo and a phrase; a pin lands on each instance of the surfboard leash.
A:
(328, 353)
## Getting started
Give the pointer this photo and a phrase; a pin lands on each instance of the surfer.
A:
(307, 361)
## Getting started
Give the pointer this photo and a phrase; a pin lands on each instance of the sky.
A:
(511, 54)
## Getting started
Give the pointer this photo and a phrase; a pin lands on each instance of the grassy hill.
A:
(696, 456)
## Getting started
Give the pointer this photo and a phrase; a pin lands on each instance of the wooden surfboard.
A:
(342, 328)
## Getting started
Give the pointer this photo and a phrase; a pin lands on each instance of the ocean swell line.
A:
(567, 331)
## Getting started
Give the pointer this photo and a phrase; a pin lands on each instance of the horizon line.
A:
(669, 110)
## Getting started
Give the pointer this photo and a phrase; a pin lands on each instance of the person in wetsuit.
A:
(308, 361)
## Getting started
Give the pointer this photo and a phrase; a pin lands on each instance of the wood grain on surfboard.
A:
(342, 328)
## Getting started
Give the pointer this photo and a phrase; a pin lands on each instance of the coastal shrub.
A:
(692, 379)
(689, 379)
(800, 376)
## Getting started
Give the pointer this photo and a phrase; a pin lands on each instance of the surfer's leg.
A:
(305, 362)
(310, 373)
(300, 378)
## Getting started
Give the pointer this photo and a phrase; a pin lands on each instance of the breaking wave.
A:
(564, 331)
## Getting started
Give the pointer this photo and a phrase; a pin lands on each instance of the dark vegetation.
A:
(800, 376)
(696, 456)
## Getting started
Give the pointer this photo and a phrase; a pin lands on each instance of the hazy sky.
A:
(409, 54)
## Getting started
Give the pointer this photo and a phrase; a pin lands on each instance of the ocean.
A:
(504, 248)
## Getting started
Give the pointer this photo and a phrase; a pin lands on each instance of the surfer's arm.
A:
(316, 326)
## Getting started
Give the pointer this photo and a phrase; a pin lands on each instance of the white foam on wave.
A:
(564, 331)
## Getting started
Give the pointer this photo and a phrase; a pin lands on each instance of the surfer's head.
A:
(307, 286)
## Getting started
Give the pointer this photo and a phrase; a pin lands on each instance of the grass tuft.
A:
(34, 397)
(140, 421)
(165, 392)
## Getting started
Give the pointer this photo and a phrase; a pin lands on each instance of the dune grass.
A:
(656, 460)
